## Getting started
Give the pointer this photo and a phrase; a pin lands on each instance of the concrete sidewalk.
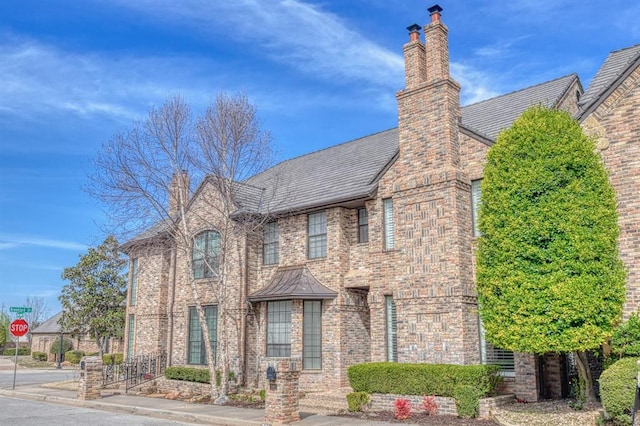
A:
(171, 409)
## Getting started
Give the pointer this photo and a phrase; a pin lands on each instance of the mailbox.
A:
(271, 373)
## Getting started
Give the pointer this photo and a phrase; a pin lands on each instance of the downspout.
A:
(243, 314)
(172, 279)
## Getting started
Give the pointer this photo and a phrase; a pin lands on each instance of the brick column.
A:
(90, 378)
(281, 405)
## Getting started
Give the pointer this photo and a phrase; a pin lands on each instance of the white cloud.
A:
(8, 241)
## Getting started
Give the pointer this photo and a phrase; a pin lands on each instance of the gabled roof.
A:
(615, 68)
(50, 326)
(292, 283)
(489, 117)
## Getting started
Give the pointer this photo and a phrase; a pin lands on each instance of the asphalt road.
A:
(34, 413)
(30, 377)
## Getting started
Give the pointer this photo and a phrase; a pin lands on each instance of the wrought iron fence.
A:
(134, 372)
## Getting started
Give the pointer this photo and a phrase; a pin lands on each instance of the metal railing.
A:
(136, 371)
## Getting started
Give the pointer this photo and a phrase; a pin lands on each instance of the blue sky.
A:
(72, 73)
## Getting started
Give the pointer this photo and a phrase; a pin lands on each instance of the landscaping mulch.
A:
(421, 418)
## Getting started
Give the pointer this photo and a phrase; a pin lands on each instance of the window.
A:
(279, 328)
(206, 248)
(312, 335)
(363, 226)
(270, 249)
(492, 355)
(391, 329)
(196, 351)
(134, 282)
(317, 235)
(475, 205)
(130, 335)
(389, 224)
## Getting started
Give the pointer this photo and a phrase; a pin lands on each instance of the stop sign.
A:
(19, 327)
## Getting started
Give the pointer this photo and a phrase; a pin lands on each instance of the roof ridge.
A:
(624, 48)
(573, 74)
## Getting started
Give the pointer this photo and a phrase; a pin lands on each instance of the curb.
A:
(126, 409)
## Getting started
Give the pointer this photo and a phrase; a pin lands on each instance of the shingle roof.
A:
(349, 171)
(340, 173)
(50, 326)
(489, 117)
(616, 64)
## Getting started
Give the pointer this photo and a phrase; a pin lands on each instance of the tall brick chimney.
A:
(178, 192)
(429, 106)
(431, 195)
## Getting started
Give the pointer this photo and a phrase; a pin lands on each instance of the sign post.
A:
(18, 328)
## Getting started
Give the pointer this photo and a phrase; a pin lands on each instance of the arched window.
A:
(206, 251)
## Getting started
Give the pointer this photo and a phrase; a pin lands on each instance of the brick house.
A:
(368, 250)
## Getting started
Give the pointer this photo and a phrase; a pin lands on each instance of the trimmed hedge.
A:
(74, 356)
(617, 389)
(188, 374)
(423, 379)
(12, 351)
(115, 358)
(357, 400)
(39, 356)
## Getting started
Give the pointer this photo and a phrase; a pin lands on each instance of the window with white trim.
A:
(134, 282)
(312, 335)
(489, 354)
(279, 328)
(475, 205)
(270, 243)
(196, 353)
(317, 230)
(391, 325)
(388, 223)
(205, 256)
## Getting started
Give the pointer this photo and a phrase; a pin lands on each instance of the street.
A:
(33, 413)
(33, 376)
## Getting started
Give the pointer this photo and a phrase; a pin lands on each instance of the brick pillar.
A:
(90, 378)
(281, 405)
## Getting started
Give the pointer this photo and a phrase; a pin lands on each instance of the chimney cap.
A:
(413, 28)
(435, 9)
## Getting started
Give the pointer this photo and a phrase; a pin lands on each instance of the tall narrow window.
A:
(270, 248)
(363, 226)
(492, 355)
(279, 328)
(392, 329)
(130, 336)
(312, 335)
(317, 235)
(134, 282)
(389, 224)
(196, 353)
(206, 249)
(475, 205)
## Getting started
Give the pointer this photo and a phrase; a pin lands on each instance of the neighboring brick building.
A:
(368, 253)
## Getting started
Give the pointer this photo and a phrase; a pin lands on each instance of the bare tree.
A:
(144, 176)
(39, 313)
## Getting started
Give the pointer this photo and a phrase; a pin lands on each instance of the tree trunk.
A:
(587, 392)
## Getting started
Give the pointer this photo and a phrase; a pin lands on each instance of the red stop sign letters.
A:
(19, 327)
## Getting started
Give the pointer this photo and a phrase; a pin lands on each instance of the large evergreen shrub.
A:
(617, 389)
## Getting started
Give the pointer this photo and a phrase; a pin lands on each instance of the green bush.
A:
(188, 374)
(422, 379)
(626, 338)
(73, 357)
(12, 351)
(39, 356)
(357, 400)
(617, 389)
(467, 400)
(67, 345)
(115, 358)
(263, 394)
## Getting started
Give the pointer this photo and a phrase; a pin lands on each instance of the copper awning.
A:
(293, 283)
